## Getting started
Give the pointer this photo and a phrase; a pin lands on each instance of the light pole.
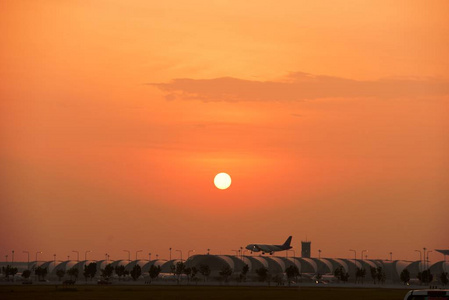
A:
(28, 264)
(54, 259)
(208, 250)
(77, 255)
(391, 256)
(319, 254)
(362, 253)
(355, 265)
(428, 256)
(85, 254)
(170, 252)
(129, 254)
(149, 256)
(181, 253)
(157, 256)
(241, 253)
(188, 253)
(236, 251)
(6, 258)
(424, 258)
(68, 257)
(12, 258)
(138, 252)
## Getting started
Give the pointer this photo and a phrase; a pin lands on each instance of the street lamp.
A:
(424, 258)
(170, 252)
(391, 256)
(149, 256)
(208, 250)
(129, 254)
(6, 258)
(138, 252)
(428, 256)
(362, 253)
(355, 260)
(181, 253)
(188, 253)
(85, 254)
(54, 259)
(28, 253)
(12, 258)
(77, 255)
(157, 256)
(319, 254)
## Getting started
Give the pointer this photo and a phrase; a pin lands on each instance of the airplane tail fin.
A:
(288, 241)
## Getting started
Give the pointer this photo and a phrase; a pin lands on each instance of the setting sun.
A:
(222, 181)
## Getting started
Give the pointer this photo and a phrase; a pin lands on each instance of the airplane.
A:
(270, 248)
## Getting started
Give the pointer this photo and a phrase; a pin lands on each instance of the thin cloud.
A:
(300, 86)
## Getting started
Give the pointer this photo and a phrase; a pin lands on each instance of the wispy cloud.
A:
(300, 86)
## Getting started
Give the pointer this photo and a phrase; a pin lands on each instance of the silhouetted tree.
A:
(205, 271)
(345, 277)
(405, 276)
(73, 272)
(26, 274)
(136, 272)
(154, 272)
(373, 272)
(381, 276)
(262, 273)
(90, 270)
(425, 276)
(60, 273)
(187, 272)
(279, 279)
(360, 273)
(41, 272)
(120, 271)
(193, 274)
(245, 270)
(179, 270)
(106, 273)
(225, 273)
(341, 274)
(291, 272)
(9, 270)
(444, 278)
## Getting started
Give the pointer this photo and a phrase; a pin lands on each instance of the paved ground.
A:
(124, 292)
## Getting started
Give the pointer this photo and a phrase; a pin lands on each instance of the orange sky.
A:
(330, 116)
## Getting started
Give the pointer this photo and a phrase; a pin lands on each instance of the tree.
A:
(245, 270)
(262, 273)
(73, 272)
(373, 272)
(179, 270)
(90, 270)
(291, 272)
(9, 270)
(41, 272)
(193, 274)
(205, 271)
(136, 272)
(444, 278)
(187, 272)
(279, 279)
(360, 273)
(106, 273)
(405, 276)
(345, 277)
(381, 276)
(425, 276)
(154, 272)
(225, 273)
(120, 271)
(60, 273)
(26, 274)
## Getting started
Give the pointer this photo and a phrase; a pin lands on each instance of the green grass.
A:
(194, 292)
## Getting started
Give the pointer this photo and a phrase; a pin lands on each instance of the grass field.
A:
(195, 292)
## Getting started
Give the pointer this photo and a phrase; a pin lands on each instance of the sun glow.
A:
(222, 181)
